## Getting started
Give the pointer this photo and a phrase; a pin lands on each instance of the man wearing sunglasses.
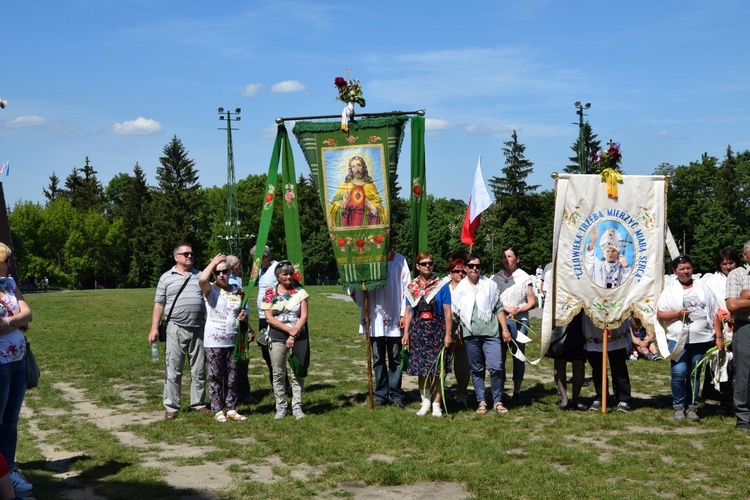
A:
(179, 287)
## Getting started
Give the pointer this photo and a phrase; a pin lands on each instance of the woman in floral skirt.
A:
(427, 328)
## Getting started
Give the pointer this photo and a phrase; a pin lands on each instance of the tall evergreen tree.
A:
(53, 191)
(511, 190)
(591, 149)
(137, 215)
(178, 208)
(92, 192)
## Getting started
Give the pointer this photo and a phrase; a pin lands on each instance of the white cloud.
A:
(26, 121)
(492, 129)
(139, 126)
(251, 89)
(437, 124)
(288, 86)
(663, 134)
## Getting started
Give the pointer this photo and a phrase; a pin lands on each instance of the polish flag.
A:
(478, 203)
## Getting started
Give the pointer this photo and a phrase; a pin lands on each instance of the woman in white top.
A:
(517, 294)
(690, 310)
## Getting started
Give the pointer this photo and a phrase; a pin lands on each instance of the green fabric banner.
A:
(352, 172)
(418, 202)
(281, 149)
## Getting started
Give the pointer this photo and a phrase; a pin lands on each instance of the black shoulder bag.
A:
(163, 322)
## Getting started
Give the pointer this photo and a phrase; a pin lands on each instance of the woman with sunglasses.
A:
(285, 308)
(457, 272)
(427, 329)
(477, 303)
(223, 314)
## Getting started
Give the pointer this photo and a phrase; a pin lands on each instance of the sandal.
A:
(499, 408)
(219, 417)
(232, 414)
(482, 410)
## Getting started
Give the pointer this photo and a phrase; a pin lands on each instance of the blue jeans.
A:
(12, 392)
(519, 367)
(386, 365)
(484, 353)
(682, 370)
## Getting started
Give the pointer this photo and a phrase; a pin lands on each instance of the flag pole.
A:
(368, 348)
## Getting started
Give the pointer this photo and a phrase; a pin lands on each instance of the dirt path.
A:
(208, 477)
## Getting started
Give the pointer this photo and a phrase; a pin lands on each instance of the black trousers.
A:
(618, 367)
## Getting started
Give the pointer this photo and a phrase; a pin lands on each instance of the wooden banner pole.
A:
(366, 307)
(605, 390)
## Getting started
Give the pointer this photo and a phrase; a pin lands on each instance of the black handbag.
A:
(163, 322)
(32, 369)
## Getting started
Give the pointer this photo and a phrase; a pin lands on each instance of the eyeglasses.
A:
(185, 254)
(222, 271)
(460, 271)
(474, 266)
(426, 263)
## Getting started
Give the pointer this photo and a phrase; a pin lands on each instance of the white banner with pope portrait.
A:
(608, 252)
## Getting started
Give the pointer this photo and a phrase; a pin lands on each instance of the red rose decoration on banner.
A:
(341, 242)
(378, 239)
(360, 243)
(269, 198)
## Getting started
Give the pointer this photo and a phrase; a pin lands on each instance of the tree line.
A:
(87, 235)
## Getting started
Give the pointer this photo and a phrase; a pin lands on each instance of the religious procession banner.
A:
(352, 171)
(418, 200)
(608, 251)
(282, 153)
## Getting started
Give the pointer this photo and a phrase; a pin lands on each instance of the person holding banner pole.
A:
(614, 342)
(690, 310)
(385, 309)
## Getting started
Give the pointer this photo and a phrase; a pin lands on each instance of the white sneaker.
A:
(425, 409)
(19, 483)
(436, 410)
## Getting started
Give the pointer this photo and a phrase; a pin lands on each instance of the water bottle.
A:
(154, 352)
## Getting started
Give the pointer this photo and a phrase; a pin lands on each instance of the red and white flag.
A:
(478, 203)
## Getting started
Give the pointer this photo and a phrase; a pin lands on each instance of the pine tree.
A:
(178, 213)
(53, 191)
(511, 191)
(591, 150)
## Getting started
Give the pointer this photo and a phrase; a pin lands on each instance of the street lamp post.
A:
(582, 164)
(231, 236)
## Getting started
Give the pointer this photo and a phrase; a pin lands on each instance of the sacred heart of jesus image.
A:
(356, 206)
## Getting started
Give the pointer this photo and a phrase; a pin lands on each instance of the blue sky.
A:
(115, 80)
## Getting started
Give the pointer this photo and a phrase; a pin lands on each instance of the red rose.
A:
(329, 142)
(269, 197)
(378, 239)
(297, 276)
(339, 81)
(417, 191)
(341, 242)
(360, 243)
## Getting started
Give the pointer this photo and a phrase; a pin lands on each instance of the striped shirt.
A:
(738, 280)
(190, 310)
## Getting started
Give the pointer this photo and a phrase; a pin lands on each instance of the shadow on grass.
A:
(95, 480)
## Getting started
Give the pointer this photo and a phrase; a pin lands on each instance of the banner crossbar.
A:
(419, 112)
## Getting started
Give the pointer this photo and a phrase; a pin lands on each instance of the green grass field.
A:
(94, 428)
